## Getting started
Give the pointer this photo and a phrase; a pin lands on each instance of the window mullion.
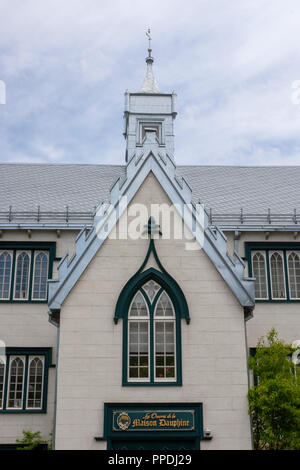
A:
(12, 281)
(25, 382)
(269, 274)
(286, 275)
(31, 274)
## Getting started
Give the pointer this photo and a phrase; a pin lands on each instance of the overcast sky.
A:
(67, 63)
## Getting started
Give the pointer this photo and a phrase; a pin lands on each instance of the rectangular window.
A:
(23, 381)
(138, 350)
(24, 271)
(165, 351)
(276, 268)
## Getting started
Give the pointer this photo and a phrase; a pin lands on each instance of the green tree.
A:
(32, 441)
(274, 402)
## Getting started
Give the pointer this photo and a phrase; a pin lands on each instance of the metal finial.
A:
(149, 39)
(149, 85)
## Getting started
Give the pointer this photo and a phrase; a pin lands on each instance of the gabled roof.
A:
(180, 194)
(223, 189)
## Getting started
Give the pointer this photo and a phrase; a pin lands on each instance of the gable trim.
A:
(180, 194)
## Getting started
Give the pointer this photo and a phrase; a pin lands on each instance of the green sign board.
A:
(153, 420)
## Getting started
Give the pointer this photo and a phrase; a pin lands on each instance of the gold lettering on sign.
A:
(174, 423)
(143, 422)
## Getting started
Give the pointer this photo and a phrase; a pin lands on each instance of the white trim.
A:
(160, 319)
(11, 253)
(179, 193)
(18, 252)
(279, 252)
(36, 253)
(263, 253)
(138, 319)
(11, 359)
(287, 254)
(30, 359)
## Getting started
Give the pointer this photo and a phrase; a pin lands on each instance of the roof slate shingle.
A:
(225, 189)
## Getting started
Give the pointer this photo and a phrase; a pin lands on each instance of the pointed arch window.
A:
(24, 380)
(152, 305)
(276, 269)
(5, 274)
(35, 383)
(152, 333)
(22, 275)
(40, 275)
(260, 273)
(25, 268)
(293, 261)
(277, 275)
(16, 383)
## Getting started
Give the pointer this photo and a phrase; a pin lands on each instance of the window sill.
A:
(23, 411)
(152, 384)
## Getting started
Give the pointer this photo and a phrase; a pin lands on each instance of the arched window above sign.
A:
(152, 305)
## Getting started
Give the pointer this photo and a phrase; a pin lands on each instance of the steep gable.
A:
(180, 194)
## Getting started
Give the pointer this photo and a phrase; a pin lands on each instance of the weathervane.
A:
(149, 39)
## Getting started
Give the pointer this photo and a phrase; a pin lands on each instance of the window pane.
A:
(35, 383)
(5, 274)
(2, 375)
(164, 349)
(277, 276)
(22, 276)
(294, 274)
(259, 272)
(40, 276)
(16, 382)
(164, 306)
(138, 307)
(138, 360)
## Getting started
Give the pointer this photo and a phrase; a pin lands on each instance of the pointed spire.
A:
(149, 85)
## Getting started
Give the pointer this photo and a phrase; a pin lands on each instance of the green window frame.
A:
(24, 380)
(24, 270)
(151, 337)
(176, 308)
(158, 331)
(276, 267)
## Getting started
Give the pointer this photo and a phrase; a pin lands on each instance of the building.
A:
(141, 341)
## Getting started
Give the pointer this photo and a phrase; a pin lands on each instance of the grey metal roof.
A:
(224, 189)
